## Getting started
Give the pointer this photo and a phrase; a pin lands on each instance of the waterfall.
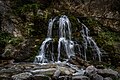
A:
(88, 40)
(85, 36)
(65, 42)
(41, 58)
(65, 37)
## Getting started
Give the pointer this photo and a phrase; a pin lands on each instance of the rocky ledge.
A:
(55, 71)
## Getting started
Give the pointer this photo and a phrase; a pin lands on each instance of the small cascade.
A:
(87, 40)
(66, 47)
(95, 48)
(84, 33)
(65, 37)
(64, 41)
(41, 58)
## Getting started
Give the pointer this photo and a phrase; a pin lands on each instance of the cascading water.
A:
(41, 58)
(65, 37)
(88, 40)
(64, 43)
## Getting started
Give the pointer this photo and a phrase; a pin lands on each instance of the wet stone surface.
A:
(30, 71)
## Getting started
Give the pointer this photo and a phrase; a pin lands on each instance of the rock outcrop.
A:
(61, 71)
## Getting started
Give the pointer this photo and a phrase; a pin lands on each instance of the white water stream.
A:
(65, 42)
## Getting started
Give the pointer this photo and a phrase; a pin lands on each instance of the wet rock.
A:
(2, 78)
(107, 78)
(11, 70)
(5, 76)
(108, 73)
(22, 76)
(49, 71)
(91, 70)
(56, 74)
(96, 77)
(41, 77)
(64, 78)
(79, 62)
(79, 73)
(30, 71)
(67, 71)
(100, 67)
(45, 66)
(80, 78)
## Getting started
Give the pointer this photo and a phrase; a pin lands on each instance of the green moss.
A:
(108, 38)
(94, 26)
(15, 41)
(4, 38)
(109, 41)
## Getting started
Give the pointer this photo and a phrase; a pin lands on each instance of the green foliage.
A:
(15, 41)
(4, 38)
(32, 18)
(108, 38)
(26, 9)
(93, 22)
(109, 41)
(94, 26)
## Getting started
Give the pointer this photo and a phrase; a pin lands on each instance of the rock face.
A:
(107, 72)
(30, 71)
(22, 76)
(80, 78)
(49, 71)
(105, 10)
(107, 78)
(91, 70)
(7, 23)
(20, 52)
(99, 74)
